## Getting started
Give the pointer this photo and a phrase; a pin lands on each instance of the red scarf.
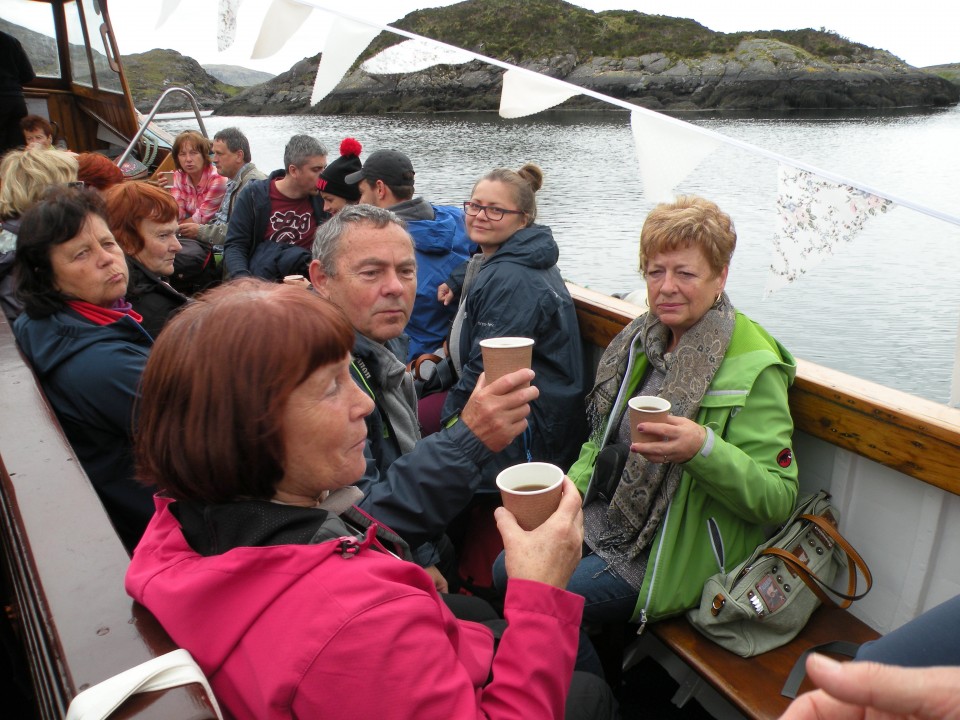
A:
(101, 315)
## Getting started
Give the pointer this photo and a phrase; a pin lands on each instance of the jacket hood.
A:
(531, 246)
(436, 233)
(49, 342)
(260, 538)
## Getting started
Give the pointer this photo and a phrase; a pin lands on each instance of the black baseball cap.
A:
(391, 166)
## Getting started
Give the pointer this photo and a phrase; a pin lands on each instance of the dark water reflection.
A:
(884, 308)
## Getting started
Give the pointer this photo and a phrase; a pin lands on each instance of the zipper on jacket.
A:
(716, 541)
(656, 564)
(348, 546)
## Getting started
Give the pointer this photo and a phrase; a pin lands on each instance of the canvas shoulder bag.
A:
(765, 601)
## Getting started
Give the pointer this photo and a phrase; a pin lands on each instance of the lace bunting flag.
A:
(814, 217)
(226, 23)
(413, 56)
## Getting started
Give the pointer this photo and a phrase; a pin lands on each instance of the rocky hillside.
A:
(655, 61)
(237, 75)
(152, 72)
(949, 72)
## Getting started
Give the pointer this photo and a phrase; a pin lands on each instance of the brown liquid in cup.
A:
(529, 488)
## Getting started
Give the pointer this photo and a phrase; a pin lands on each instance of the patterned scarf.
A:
(646, 488)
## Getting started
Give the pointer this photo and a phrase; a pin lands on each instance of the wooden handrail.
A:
(66, 563)
(917, 437)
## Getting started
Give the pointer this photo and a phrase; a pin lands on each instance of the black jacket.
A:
(153, 298)
(518, 291)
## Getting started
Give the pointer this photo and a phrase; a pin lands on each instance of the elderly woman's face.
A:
(681, 287)
(160, 246)
(324, 433)
(91, 265)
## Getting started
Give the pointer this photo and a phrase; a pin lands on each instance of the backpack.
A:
(195, 267)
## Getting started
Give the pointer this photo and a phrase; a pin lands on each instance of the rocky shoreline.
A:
(760, 75)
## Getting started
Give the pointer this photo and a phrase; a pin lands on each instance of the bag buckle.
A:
(718, 602)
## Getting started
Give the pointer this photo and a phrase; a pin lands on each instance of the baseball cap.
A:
(391, 166)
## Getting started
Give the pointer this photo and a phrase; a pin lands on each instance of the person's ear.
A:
(318, 278)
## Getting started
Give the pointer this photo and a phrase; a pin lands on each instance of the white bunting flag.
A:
(347, 39)
(526, 93)
(167, 8)
(414, 56)
(282, 20)
(667, 151)
(814, 217)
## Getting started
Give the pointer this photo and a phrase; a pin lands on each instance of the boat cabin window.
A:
(84, 21)
(32, 24)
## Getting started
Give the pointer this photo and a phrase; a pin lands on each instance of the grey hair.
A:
(326, 241)
(234, 140)
(299, 149)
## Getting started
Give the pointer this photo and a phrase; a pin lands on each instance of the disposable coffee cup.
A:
(504, 355)
(647, 408)
(531, 491)
(298, 280)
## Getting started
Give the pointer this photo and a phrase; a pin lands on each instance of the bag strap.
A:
(414, 365)
(841, 647)
(166, 671)
(817, 585)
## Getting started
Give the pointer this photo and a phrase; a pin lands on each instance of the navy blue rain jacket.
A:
(518, 292)
(91, 377)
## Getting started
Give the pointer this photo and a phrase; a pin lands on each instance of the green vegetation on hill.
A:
(534, 29)
(152, 72)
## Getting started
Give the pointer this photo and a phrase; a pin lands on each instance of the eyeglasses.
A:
(494, 214)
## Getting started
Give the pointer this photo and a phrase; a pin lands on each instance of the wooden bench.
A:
(66, 565)
(914, 436)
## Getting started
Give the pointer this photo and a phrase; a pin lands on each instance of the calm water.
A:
(885, 308)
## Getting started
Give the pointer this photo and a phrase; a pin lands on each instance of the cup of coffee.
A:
(531, 491)
(298, 280)
(647, 408)
(504, 355)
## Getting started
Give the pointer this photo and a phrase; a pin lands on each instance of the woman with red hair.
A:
(98, 171)
(143, 219)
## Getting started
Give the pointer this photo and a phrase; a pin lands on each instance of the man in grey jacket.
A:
(364, 262)
(231, 156)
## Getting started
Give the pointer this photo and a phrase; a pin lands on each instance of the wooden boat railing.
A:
(66, 564)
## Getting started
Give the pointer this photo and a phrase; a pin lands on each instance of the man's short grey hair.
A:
(299, 150)
(234, 140)
(326, 241)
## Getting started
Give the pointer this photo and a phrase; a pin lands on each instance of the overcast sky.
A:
(923, 32)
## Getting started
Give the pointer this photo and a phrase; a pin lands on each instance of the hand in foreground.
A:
(550, 553)
(497, 413)
(439, 581)
(189, 230)
(680, 439)
(871, 691)
(444, 293)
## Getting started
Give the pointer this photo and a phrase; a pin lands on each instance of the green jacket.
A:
(746, 482)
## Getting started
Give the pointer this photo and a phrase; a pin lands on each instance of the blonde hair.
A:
(689, 221)
(523, 184)
(25, 174)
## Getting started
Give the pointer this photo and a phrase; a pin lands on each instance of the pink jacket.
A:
(199, 203)
(302, 631)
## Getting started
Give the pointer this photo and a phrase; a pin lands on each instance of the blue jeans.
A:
(609, 598)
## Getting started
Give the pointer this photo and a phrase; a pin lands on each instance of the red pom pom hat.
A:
(332, 178)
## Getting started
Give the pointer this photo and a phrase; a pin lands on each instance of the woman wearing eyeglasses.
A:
(513, 288)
